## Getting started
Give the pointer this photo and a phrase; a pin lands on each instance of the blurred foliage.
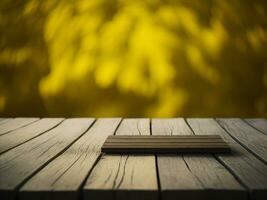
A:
(133, 58)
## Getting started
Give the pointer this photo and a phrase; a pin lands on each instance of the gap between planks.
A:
(64, 176)
(191, 176)
(122, 176)
(36, 154)
(247, 168)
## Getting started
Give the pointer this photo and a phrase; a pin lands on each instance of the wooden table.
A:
(56, 158)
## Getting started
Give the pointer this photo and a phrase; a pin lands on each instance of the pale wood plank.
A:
(124, 177)
(248, 136)
(19, 164)
(260, 124)
(62, 178)
(5, 120)
(192, 176)
(21, 135)
(15, 124)
(246, 167)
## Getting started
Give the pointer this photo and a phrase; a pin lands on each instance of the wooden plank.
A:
(15, 123)
(249, 137)
(259, 124)
(62, 178)
(22, 135)
(141, 137)
(167, 138)
(124, 176)
(198, 176)
(246, 167)
(116, 139)
(165, 149)
(168, 144)
(20, 163)
(5, 120)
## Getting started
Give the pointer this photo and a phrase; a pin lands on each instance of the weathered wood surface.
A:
(19, 164)
(188, 176)
(61, 159)
(259, 124)
(243, 164)
(165, 144)
(124, 176)
(62, 178)
(249, 137)
(24, 134)
(14, 124)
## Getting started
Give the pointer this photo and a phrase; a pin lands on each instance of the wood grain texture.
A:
(259, 124)
(249, 137)
(19, 164)
(14, 124)
(246, 167)
(21, 135)
(165, 144)
(124, 176)
(195, 176)
(62, 177)
(56, 162)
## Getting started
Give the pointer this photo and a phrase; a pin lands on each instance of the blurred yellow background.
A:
(133, 58)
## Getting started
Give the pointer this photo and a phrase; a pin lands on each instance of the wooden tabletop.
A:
(56, 158)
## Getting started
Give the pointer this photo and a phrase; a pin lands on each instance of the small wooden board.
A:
(165, 144)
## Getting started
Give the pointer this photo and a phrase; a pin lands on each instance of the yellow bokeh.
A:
(133, 58)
